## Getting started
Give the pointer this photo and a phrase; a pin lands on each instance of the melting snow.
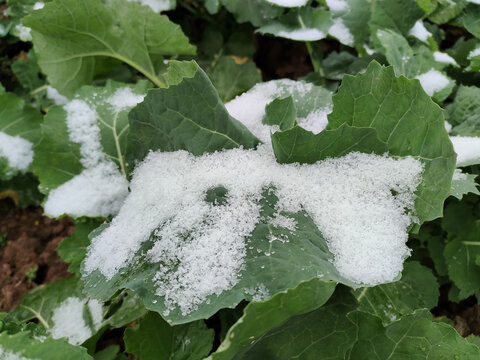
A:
(341, 32)
(288, 3)
(467, 148)
(419, 31)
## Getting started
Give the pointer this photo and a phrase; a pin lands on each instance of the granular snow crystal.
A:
(18, 151)
(357, 201)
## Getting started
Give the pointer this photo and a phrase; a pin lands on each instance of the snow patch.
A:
(473, 53)
(419, 31)
(56, 97)
(9, 355)
(38, 5)
(444, 58)
(124, 98)
(337, 5)
(155, 5)
(69, 320)
(448, 126)
(302, 34)
(23, 32)
(200, 247)
(433, 81)
(467, 148)
(288, 3)
(18, 151)
(249, 108)
(341, 32)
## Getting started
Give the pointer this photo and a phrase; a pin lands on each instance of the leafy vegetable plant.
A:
(220, 216)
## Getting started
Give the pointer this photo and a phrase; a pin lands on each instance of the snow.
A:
(474, 1)
(317, 120)
(302, 34)
(38, 5)
(448, 126)
(155, 5)
(124, 98)
(56, 97)
(23, 32)
(419, 31)
(99, 190)
(200, 248)
(459, 175)
(433, 81)
(337, 5)
(444, 58)
(467, 148)
(9, 355)
(249, 108)
(69, 322)
(18, 151)
(341, 32)
(473, 53)
(288, 3)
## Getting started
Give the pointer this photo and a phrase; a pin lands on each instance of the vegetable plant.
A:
(220, 215)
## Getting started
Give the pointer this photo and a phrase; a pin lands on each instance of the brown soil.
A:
(28, 254)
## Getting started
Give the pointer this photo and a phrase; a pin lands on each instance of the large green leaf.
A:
(260, 317)
(446, 11)
(302, 146)
(304, 24)
(21, 346)
(417, 289)
(154, 339)
(258, 12)
(471, 20)
(337, 331)
(70, 42)
(198, 123)
(270, 267)
(20, 130)
(408, 121)
(60, 161)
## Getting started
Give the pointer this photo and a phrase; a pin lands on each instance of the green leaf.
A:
(109, 353)
(74, 248)
(124, 310)
(417, 289)
(325, 333)
(163, 123)
(260, 317)
(304, 24)
(21, 346)
(281, 112)
(337, 331)
(446, 11)
(19, 123)
(41, 302)
(463, 184)
(258, 12)
(460, 257)
(408, 121)
(427, 5)
(399, 16)
(353, 17)
(302, 146)
(465, 109)
(59, 160)
(154, 339)
(231, 76)
(471, 20)
(70, 43)
(414, 336)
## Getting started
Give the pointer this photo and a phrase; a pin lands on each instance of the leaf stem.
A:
(39, 89)
(474, 243)
(317, 66)
(38, 316)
